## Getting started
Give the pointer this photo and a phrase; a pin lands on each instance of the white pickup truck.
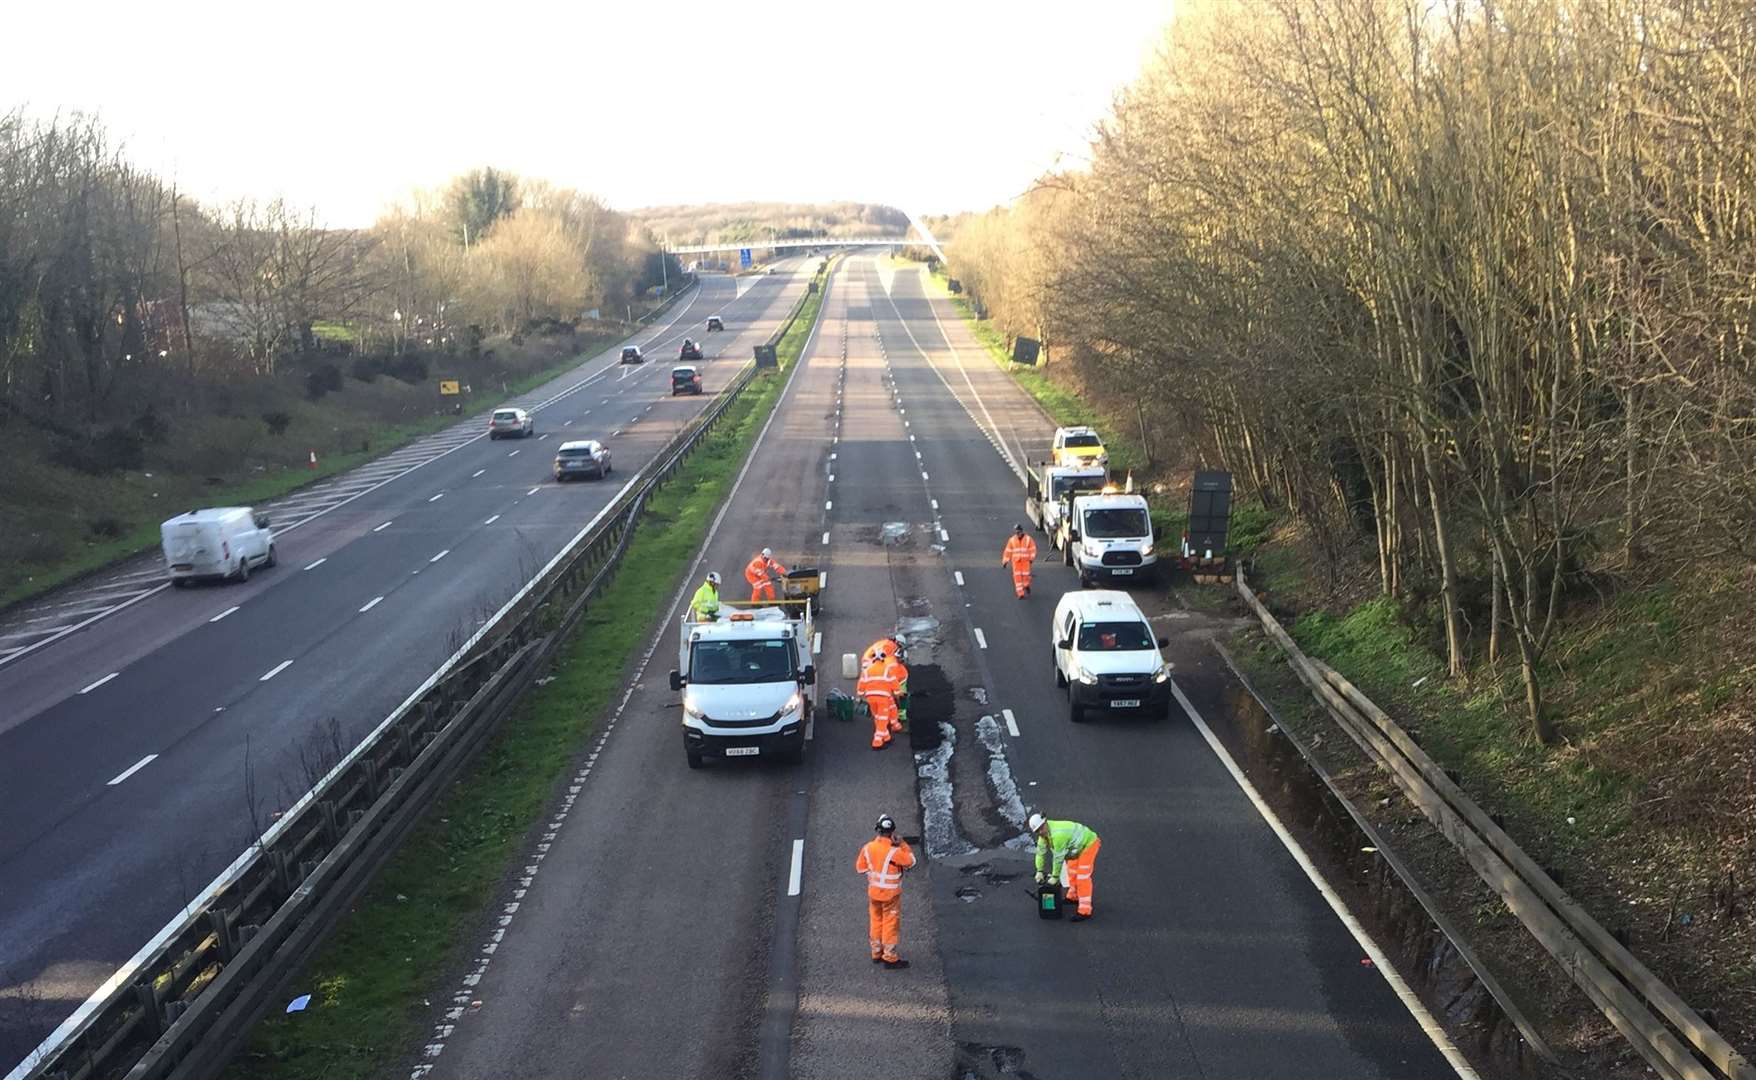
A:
(1048, 487)
(745, 679)
(1108, 535)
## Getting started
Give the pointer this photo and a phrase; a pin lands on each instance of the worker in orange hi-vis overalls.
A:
(877, 690)
(1020, 552)
(896, 673)
(761, 574)
(883, 860)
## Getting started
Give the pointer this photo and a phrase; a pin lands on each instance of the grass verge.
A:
(103, 519)
(367, 983)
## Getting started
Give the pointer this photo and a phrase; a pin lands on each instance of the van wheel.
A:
(1075, 714)
(1085, 581)
(273, 557)
(1060, 679)
(179, 583)
(694, 757)
(1067, 554)
(243, 569)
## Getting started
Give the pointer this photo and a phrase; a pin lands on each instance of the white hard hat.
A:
(713, 576)
(1035, 822)
(767, 553)
(886, 824)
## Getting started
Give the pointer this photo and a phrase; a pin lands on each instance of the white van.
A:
(223, 542)
(1108, 534)
(1106, 656)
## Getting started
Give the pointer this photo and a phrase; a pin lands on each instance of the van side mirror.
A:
(808, 677)
(1064, 643)
(1164, 643)
(676, 680)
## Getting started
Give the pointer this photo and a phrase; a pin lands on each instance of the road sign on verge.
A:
(448, 387)
(744, 259)
(1025, 350)
(765, 357)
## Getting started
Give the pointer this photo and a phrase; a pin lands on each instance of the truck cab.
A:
(1107, 536)
(745, 679)
(1048, 487)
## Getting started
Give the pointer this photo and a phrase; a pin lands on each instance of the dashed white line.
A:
(382, 527)
(276, 670)
(1011, 722)
(132, 769)
(515, 453)
(981, 638)
(370, 604)
(826, 537)
(798, 867)
(477, 473)
(439, 556)
(437, 497)
(935, 503)
(944, 537)
(924, 476)
(534, 490)
(816, 644)
(958, 574)
(224, 613)
(100, 682)
(832, 478)
(318, 563)
(491, 520)
(822, 579)
(829, 504)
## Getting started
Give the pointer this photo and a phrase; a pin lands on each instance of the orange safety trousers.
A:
(884, 718)
(1077, 874)
(1020, 576)
(885, 918)
(763, 590)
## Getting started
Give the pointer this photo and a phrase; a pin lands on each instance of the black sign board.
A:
(1025, 350)
(1210, 511)
(765, 357)
(954, 285)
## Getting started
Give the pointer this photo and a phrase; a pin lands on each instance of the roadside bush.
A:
(107, 528)
(322, 379)
(151, 427)
(277, 422)
(365, 368)
(115, 449)
(409, 368)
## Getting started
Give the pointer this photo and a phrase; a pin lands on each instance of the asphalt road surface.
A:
(679, 923)
(140, 754)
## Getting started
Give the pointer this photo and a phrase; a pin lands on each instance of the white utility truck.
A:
(1048, 487)
(222, 542)
(1108, 535)
(746, 679)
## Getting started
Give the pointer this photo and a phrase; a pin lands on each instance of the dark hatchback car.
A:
(689, 351)
(586, 457)
(631, 355)
(685, 380)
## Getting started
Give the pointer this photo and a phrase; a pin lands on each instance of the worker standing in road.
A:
(762, 573)
(1020, 552)
(704, 607)
(876, 689)
(883, 860)
(896, 674)
(1072, 848)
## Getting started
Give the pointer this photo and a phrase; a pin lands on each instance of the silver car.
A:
(511, 423)
(584, 457)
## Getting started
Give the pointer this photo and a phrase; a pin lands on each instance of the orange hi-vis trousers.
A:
(885, 917)
(884, 718)
(1020, 576)
(1076, 876)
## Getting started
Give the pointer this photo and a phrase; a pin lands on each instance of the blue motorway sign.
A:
(744, 257)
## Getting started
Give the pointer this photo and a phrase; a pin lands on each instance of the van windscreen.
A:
(1114, 637)
(1115, 524)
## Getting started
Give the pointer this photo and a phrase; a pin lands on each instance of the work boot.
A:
(895, 964)
(1081, 916)
(877, 959)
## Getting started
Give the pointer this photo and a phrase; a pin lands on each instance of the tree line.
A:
(118, 291)
(1473, 283)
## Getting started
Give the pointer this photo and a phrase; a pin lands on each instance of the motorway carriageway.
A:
(678, 923)
(140, 755)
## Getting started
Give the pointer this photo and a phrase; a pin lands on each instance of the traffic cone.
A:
(313, 464)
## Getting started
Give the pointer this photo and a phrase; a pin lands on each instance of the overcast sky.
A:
(346, 106)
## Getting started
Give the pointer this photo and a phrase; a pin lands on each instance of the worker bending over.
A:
(762, 573)
(704, 606)
(878, 687)
(1072, 849)
(883, 860)
(1019, 553)
(884, 646)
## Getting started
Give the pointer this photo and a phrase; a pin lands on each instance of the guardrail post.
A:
(220, 919)
(148, 1000)
(330, 829)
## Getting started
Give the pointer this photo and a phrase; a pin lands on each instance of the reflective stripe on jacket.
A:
(1065, 840)
(875, 680)
(883, 860)
(1019, 547)
(761, 570)
(706, 601)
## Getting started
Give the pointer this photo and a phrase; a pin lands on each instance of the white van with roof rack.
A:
(1107, 657)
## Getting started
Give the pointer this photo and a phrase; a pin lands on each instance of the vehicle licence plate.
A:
(743, 751)
(1122, 570)
(1125, 703)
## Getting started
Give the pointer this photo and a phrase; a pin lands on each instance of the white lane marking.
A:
(1011, 722)
(826, 538)
(829, 504)
(822, 579)
(382, 527)
(276, 670)
(958, 574)
(543, 436)
(491, 520)
(100, 682)
(816, 644)
(224, 613)
(439, 556)
(372, 603)
(832, 478)
(944, 537)
(132, 769)
(437, 497)
(1441, 1041)
(981, 638)
(533, 491)
(515, 453)
(569, 423)
(477, 473)
(318, 563)
(798, 867)
(924, 476)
